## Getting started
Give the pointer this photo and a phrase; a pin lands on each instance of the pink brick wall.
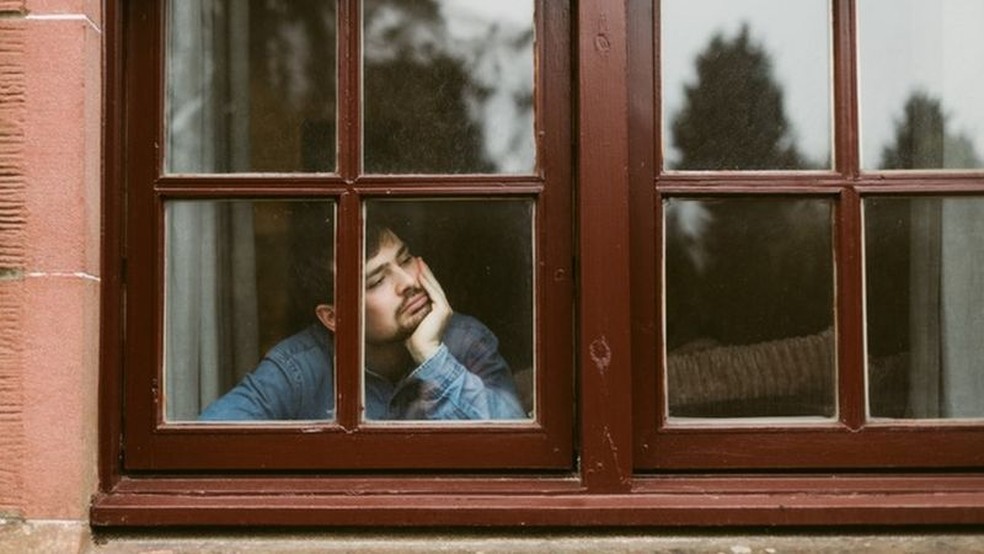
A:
(50, 175)
(12, 258)
(11, 6)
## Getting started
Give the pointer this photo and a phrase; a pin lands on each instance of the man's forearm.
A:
(451, 391)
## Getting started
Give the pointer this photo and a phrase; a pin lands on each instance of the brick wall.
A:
(12, 253)
(50, 173)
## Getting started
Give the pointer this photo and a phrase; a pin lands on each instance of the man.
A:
(423, 361)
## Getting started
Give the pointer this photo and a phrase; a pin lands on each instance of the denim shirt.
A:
(465, 379)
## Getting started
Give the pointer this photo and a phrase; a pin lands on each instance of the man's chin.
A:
(412, 321)
(405, 327)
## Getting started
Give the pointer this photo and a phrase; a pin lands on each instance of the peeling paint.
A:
(601, 353)
(602, 43)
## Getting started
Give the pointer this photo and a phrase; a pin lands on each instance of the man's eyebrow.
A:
(403, 251)
(375, 272)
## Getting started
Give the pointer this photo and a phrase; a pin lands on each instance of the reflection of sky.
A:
(934, 46)
(484, 31)
(493, 40)
(930, 45)
(466, 17)
(796, 36)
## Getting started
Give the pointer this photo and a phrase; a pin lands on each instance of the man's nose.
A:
(404, 279)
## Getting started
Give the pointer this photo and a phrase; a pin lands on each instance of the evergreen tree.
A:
(734, 116)
(416, 94)
(755, 269)
(922, 140)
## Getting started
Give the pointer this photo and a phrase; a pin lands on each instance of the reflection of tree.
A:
(734, 116)
(757, 269)
(293, 82)
(422, 125)
(904, 258)
(425, 92)
(923, 141)
(741, 271)
(435, 101)
(429, 100)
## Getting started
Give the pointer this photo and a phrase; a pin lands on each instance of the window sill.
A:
(654, 501)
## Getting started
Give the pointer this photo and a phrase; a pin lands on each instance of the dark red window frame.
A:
(626, 465)
(850, 442)
(151, 444)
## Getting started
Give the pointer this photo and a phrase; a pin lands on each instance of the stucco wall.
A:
(50, 118)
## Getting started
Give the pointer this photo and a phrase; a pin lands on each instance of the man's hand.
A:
(426, 339)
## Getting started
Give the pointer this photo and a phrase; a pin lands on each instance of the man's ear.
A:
(326, 315)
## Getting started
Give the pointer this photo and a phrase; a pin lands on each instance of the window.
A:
(542, 263)
(800, 286)
(292, 133)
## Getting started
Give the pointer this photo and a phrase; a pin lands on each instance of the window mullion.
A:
(848, 253)
(349, 256)
(347, 301)
(605, 346)
(850, 312)
(846, 133)
(349, 89)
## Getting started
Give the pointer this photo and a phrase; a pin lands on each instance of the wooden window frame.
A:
(153, 444)
(850, 441)
(612, 482)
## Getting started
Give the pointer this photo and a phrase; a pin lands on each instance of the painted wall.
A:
(50, 174)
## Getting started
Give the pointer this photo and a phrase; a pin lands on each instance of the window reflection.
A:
(243, 278)
(749, 308)
(746, 84)
(250, 86)
(921, 84)
(924, 262)
(448, 86)
(448, 306)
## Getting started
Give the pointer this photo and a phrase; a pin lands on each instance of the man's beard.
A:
(408, 322)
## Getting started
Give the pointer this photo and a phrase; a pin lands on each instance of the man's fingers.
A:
(430, 283)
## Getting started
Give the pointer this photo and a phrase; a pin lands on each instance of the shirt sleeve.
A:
(466, 378)
(293, 381)
(267, 393)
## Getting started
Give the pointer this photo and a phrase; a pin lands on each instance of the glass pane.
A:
(924, 262)
(749, 308)
(921, 82)
(245, 277)
(449, 310)
(250, 86)
(746, 84)
(448, 86)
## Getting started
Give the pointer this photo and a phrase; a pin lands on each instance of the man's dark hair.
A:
(311, 279)
(375, 231)
(313, 259)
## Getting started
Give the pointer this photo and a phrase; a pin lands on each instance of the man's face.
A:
(395, 302)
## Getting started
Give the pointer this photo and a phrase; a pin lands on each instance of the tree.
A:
(417, 88)
(751, 269)
(922, 140)
(734, 117)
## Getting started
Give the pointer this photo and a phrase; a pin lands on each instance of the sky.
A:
(936, 46)
(905, 45)
(462, 15)
(507, 127)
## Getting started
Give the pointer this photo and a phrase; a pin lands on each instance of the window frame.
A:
(615, 221)
(850, 440)
(153, 444)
